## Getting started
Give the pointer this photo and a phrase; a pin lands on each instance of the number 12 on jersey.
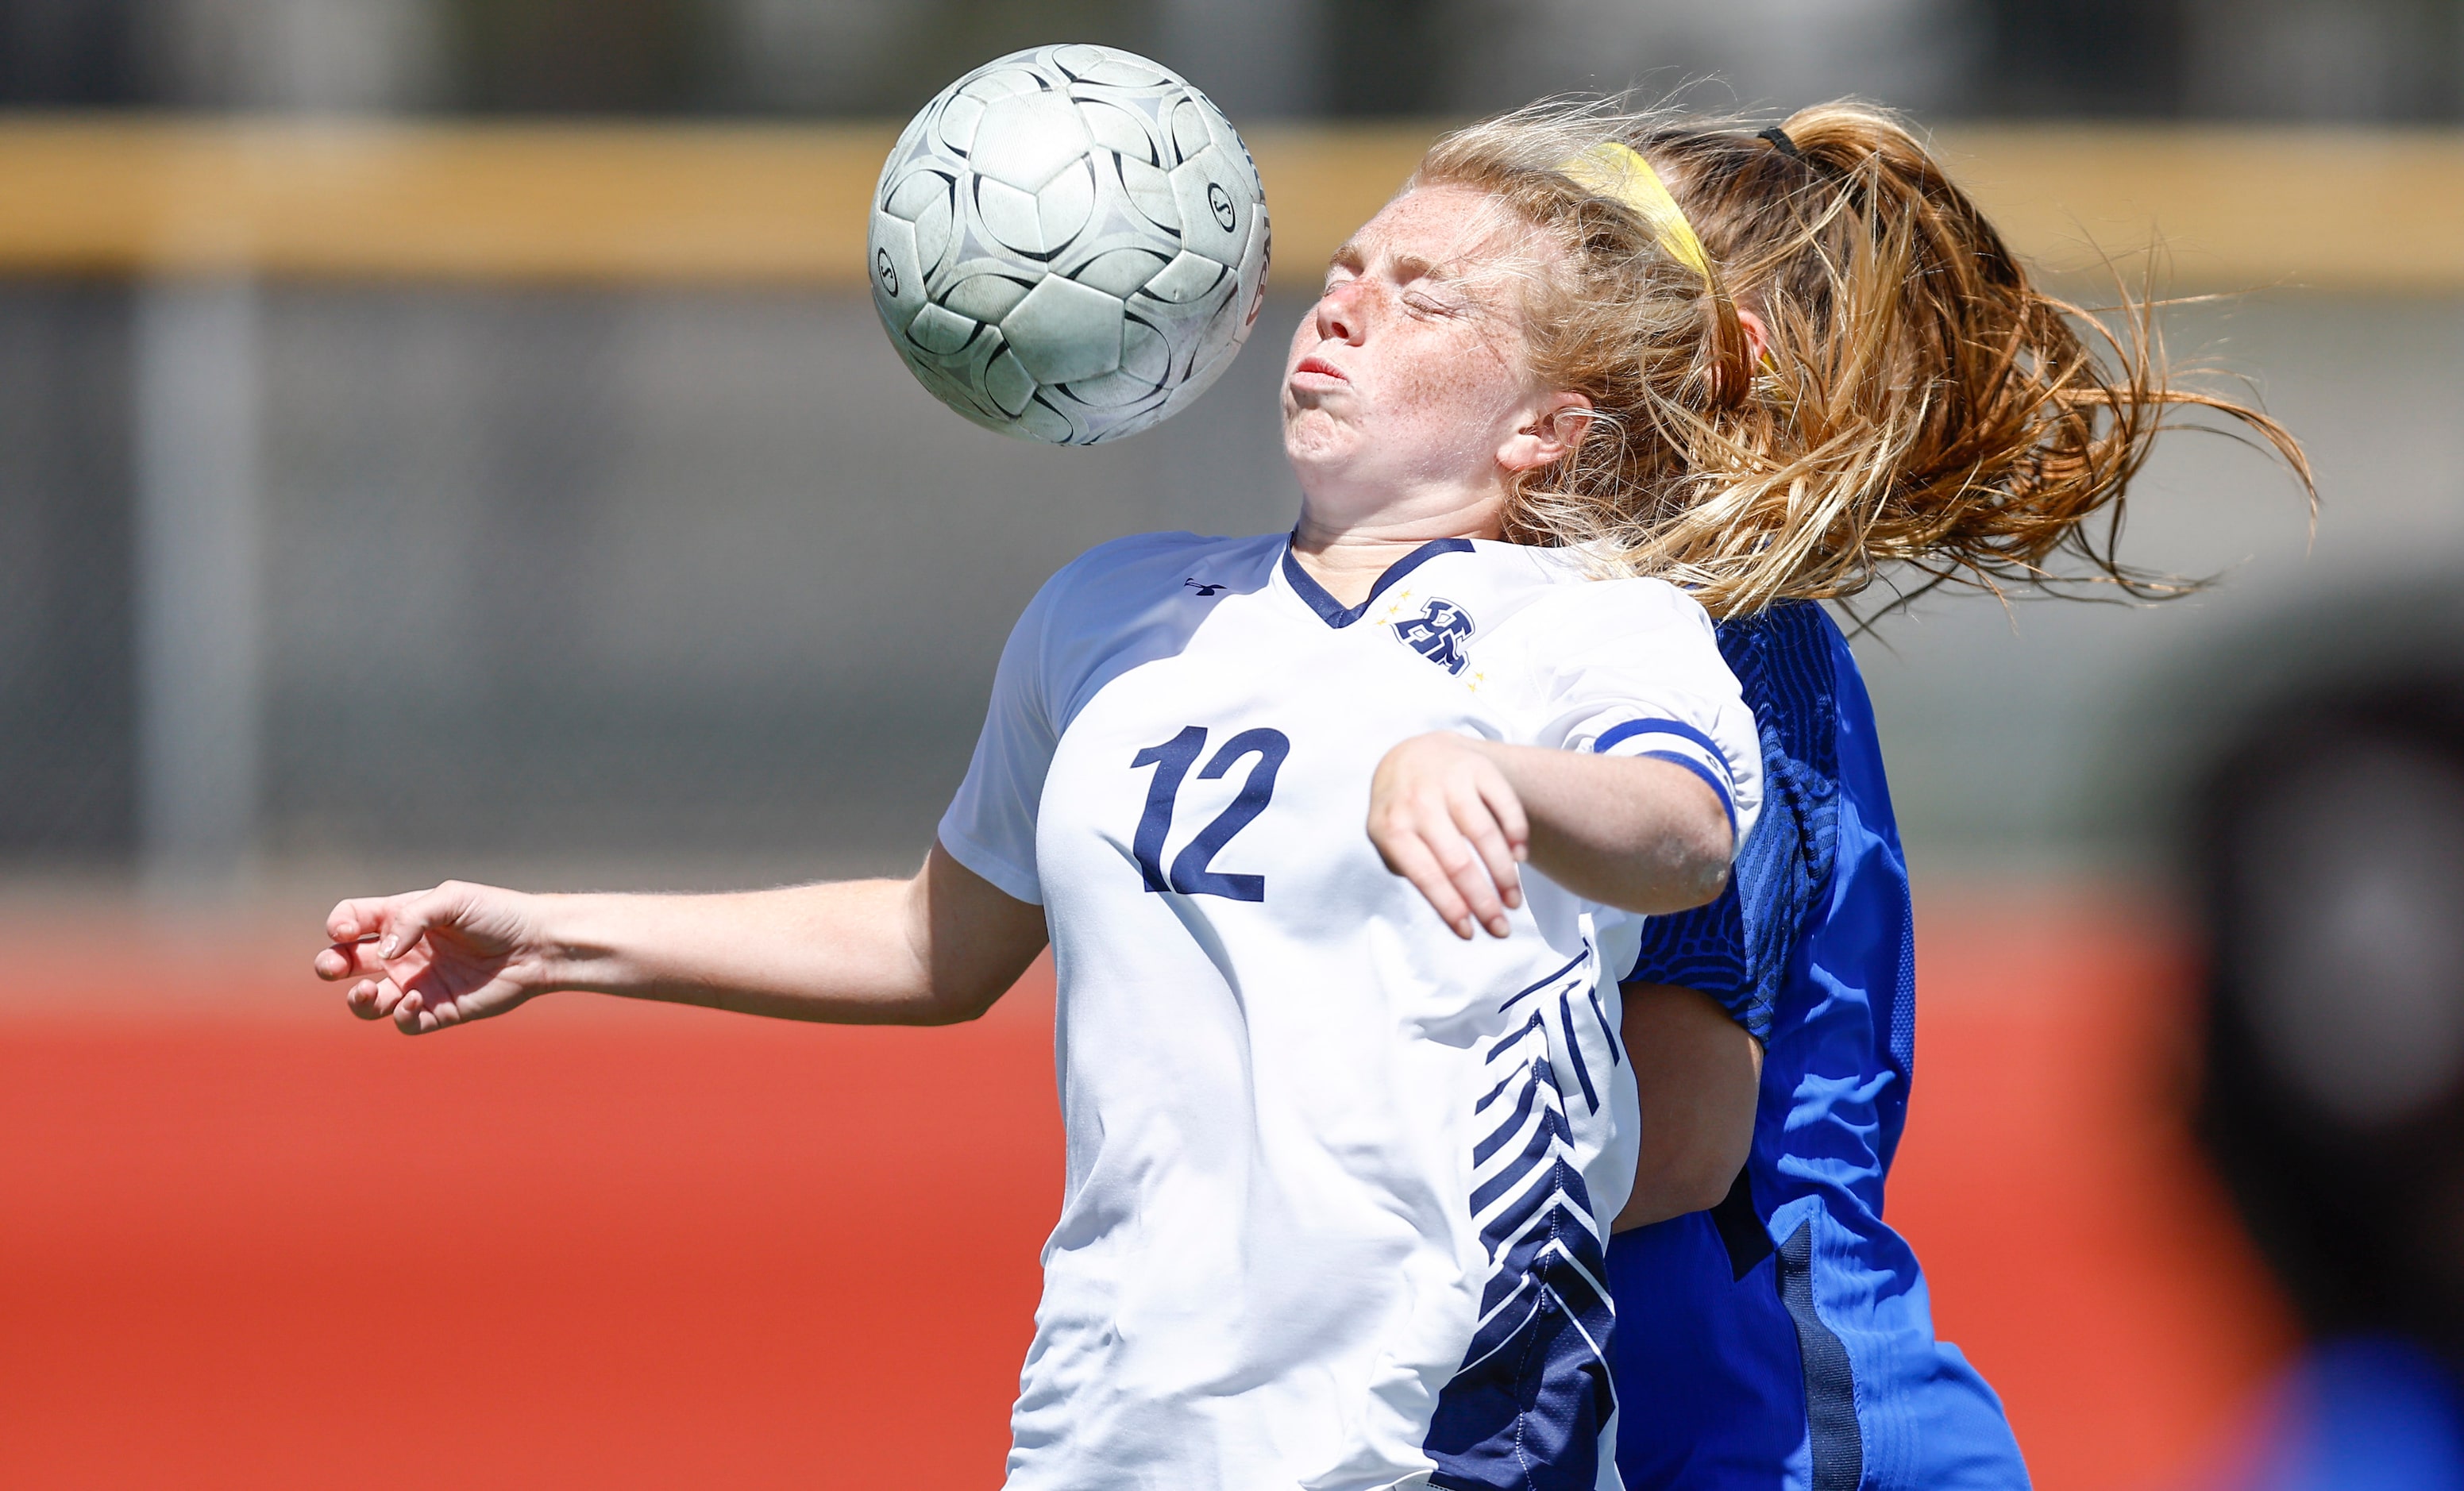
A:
(1192, 869)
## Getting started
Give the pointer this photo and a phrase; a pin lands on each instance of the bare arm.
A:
(1455, 815)
(1700, 1077)
(930, 950)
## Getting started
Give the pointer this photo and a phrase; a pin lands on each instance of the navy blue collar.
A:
(1340, 617)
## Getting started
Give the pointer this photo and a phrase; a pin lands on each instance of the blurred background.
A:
(450, 437)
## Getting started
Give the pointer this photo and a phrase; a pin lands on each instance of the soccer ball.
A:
(1069, 244)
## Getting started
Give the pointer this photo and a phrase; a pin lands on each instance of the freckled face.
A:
(1412, 368)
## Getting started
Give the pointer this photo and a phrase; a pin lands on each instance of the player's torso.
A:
(1783, 1340)
(1272, 1051)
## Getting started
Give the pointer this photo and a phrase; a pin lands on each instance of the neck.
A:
(1346, 554)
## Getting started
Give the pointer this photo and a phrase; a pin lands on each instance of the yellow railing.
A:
(636, 204)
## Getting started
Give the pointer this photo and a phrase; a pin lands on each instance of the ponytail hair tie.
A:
(1780, 142)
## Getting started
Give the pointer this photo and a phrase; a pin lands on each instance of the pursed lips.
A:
(1320, 367)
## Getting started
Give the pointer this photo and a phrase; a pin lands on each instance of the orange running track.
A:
(246, 1241)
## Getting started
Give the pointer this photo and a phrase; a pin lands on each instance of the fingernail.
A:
(389, 947)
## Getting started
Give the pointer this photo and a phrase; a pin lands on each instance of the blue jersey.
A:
(1785, 1338)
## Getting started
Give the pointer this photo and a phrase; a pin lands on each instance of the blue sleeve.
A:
(1736, 949)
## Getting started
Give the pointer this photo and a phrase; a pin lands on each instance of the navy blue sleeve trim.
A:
(1681, 759)
(1632, 728)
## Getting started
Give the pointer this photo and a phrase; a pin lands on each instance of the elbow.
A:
(1694, 1176)
(1704, 876)
(957, 996)
(1694, 869)
(1702, 1188)
(1698, 844)
(954, 1007)
(1711, 850)
(1681, 1185)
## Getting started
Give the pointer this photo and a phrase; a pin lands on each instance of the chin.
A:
(1312, 438)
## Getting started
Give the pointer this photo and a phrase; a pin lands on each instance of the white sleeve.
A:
(990, 825)
(1638, 671)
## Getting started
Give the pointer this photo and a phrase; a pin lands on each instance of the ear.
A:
(1757, 337)
(1554, 430)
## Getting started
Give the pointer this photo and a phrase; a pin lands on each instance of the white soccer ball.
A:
(1069, 244)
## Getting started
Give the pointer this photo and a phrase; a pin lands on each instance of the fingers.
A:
(416, 1011)
(1513, 824)
(405, 920)
(393, 922)
(359, 918)
(348, 961)
(372, 935)
(412, 1016)
(1459, 845)
(379, 998)
(1475, 808)
(414, 959)
(410, 1010)
(422, 1011)
(1407, 855)
(1470, 874)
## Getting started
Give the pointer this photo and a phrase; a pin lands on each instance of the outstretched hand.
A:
(1444, 816)
(432, 958)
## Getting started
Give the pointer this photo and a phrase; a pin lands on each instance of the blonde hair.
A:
(1920, 404)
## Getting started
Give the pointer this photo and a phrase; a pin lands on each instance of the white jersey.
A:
(1339, 1183)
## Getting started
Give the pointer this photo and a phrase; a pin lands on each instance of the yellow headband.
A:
(1613, 170)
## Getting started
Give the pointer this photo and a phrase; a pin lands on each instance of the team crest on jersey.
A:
(1441, 633)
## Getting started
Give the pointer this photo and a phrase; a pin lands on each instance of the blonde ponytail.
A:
(1921, 405)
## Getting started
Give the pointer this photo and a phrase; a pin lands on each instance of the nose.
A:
(1340, 314)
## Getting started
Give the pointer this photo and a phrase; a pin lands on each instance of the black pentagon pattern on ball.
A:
(1069, 244)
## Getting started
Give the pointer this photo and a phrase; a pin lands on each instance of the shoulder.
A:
(1800, 680)
(1137, 568)
(1140, 552)
(1792, 662)
(1801, 628)
(1125, 603)
(1569, 591)
(1644, 620)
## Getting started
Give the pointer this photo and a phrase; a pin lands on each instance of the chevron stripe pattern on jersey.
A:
(1528, 1405)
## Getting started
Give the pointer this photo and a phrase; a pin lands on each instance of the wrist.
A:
(1505, 758)
(1458, 742)
(573, 942)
